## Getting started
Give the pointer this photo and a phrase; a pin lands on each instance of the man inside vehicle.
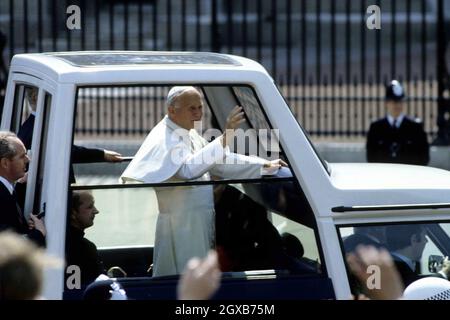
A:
(407, 244)
(79, 250)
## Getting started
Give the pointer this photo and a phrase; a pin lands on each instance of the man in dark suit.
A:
(397, 138)
(13, 164)
(407, 244)
(79, 154)
(79, 250)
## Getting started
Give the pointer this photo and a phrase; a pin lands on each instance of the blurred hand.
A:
(38, 224)
(112, 156)
(391, 285)
(200, 279)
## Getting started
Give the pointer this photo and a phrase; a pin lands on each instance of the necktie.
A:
(396, 123)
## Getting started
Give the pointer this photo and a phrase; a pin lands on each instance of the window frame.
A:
(230, 86)
(443, 246)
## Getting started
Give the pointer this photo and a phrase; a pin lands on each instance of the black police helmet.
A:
(395, 91)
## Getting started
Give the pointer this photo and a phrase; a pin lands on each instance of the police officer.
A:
(397, 138)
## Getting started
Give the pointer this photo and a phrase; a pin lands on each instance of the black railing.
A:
(329, 65)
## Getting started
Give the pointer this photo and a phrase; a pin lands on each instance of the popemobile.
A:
(277, 236)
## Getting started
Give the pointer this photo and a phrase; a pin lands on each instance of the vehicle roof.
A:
(96, 67)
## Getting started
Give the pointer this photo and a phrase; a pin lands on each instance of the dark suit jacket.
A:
(407, 144)
(83, 253)
(408, 275)
(12, 218)
(79, 154)
(26, 131)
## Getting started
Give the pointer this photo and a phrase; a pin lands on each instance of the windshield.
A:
(324, 163)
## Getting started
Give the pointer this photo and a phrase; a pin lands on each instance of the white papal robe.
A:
(185, 225)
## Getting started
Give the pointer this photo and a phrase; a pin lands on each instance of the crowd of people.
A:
(22, 264)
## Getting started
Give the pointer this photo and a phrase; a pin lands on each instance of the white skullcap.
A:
(175, 92)
(429, 288)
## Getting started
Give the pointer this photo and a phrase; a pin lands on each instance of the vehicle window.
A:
(24, 121)
(127, 217)
(303, 234)
(294, 113)
(252, 225)
(22, 106)
(417, 249)
(248, 101)
(38, 205)
(152, 225)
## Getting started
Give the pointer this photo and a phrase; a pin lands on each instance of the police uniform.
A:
(400, 140)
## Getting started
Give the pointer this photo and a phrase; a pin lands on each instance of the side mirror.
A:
(435, 263)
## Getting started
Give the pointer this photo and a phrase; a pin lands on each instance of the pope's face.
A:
(188, 108)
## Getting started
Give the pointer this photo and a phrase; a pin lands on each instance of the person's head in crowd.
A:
(429, 288)
(83, 210)
(199, 281)
(13, 157)
(395, 96)
(184, 106)
(407, 240)
(21, 267)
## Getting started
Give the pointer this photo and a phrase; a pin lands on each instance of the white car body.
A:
(363, 186)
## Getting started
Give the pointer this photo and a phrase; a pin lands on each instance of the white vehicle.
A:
(319, 206)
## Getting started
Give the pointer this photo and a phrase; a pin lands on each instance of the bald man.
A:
(172, 152)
